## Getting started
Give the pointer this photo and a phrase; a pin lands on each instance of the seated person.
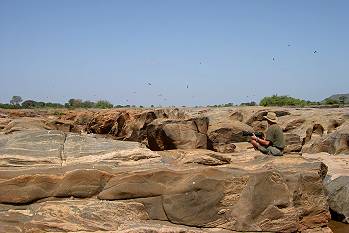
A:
(274, 142)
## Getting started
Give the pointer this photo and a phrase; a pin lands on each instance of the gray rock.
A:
(338, 192)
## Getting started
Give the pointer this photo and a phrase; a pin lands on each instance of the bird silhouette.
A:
(315, 51)
(187, 86)
(149, 84)
(273, 58)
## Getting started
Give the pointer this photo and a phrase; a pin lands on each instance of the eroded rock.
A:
(279, 198)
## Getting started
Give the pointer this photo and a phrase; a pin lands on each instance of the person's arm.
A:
(262, 142)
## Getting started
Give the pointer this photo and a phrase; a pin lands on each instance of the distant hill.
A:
(337, 97)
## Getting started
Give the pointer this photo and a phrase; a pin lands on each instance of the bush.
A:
(75, 103)
(88, 104)
(29, 104)
(284, 100)
(9, 106)
(252, 103)
(103, 104)
(331, 101)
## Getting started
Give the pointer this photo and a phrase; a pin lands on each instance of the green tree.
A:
(331, 101)
(252, 103)
(29, 104)
(16, 100)
(103, 104)
(88, 104)
(283, 100)
(75, 103)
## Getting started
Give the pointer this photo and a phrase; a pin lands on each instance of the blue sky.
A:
(222, 50)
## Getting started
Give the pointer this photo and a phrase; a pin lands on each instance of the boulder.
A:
(293, 124)
(336, 183)
(226, 133)
(260, 126)
(334, 143)
(237, 116)
(293, 143)
(177, 134)
(338, 192)
(259, 115)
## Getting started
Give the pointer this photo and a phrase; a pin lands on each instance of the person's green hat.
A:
(271, 116)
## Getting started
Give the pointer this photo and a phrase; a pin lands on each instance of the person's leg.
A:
(263, 149)
(259, 147)
(274, 151)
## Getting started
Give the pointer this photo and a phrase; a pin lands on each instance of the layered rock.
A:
(108, 185)
(218, 198)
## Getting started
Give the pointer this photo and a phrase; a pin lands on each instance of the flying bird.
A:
(273, 58)
(149, 84)
(187, 86)
(315, 51)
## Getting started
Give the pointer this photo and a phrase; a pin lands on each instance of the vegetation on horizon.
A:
(17, 103)
(285, 100)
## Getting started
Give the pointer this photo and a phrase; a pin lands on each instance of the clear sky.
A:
(193, 52)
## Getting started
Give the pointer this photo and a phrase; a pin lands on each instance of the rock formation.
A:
(170, 170)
